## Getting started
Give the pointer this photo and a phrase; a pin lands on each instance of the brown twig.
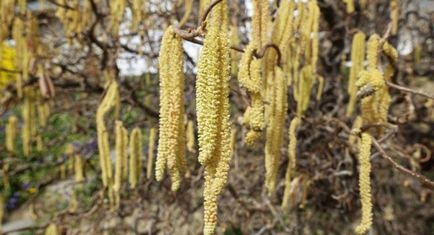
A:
(261, 53)
(406, 89)
(427, 182)
(208, 10)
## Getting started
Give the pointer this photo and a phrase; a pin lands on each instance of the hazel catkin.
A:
(365, 183)
(171, 143)
(135, 157)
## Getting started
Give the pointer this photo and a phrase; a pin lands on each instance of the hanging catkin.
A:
(28, 125)
(78, 168)
(11, 133)
(121, 155)
(357, 58)
(365, 183)
(138, 11)
(250, 77)
(105, 106)
(171, 144)
(212, 105)
(291, 160)
(151, 147)
(372, 86)
(260, 23)
(117, 9)
(188, 6)
(394, 15)
(276, 123)
(136, 157)
(191, 141)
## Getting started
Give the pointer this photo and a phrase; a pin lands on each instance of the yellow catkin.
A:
(52, 229)
(151, 148)
(320, 90)
(43, 109)
(274, 136)
(250, 77)
(390, 52)
(260, 22)
(372, 51)
(138, 11)
(78, 169)
(121, 154)
(187, 11)
(28, 124)
(315, 39)
(136, 157)
(191, 139)
(304, 88)
(212, 104)
(11, 133)
(349, 5)
(370, 105)
(290, 170)
(235, 55)
(117, 8)
(171, 144)
(394, 15)
(105, 106)
(365, 183)
(357, 58)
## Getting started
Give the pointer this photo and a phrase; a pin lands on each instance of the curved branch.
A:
(425, 181)
(208, 10)
(261, 53)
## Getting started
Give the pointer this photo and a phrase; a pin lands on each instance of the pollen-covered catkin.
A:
(250, 77)
(106, 105)
(304, 88)
(190, 136)
(276, 123)
(135, 157)
(260, 20)
(357, 58)
(11, 133)
(365, 183)
(372, 51)
(151, 148)
(121, 154)
(171, 144)
(290, 170)
(212, 104)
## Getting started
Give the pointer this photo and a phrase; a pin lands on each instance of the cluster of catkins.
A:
(369, 85)
(126, 168)
(266, 78)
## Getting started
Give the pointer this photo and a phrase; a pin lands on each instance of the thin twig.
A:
(406, 89)
(208, 10)
(427, 182)
(261, 53)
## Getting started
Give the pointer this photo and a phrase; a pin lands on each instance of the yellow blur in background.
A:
(7, 63)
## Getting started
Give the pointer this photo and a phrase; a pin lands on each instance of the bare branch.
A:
(427, 182)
